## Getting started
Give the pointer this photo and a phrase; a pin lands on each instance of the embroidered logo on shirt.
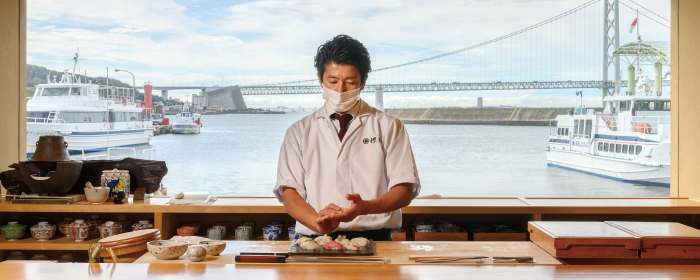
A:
(368, 140)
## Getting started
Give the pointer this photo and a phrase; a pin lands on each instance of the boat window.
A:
(618, 148)
(639, 149)
(575, 127)
(558, 130)
(566, 131)
(606, 147)
(581, 127)
(652, 105)
(631, 150)
(625, 105)
(55, 91)
(624, 148)
(589, 127)
(600, 146)
(84, 117)
(75, 91)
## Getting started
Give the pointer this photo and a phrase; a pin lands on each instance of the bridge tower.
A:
(610, 44)
(379, 98)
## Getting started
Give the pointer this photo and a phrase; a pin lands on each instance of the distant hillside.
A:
(37, 75)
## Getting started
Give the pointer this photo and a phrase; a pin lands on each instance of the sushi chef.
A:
(347, 168)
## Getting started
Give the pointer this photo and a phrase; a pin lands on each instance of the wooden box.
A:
(663, 240)
(497, 236)
(440, 236)
(399, 236)
(583, 240)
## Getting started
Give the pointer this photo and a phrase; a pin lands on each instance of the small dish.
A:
(214, 248)
(167, 249)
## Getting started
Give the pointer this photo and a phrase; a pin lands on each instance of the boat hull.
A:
(185, 128)
(94, 141)
(623, 170)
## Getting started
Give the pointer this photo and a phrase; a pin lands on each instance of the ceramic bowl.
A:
(214, 248)
(167, 249)
(16, 256)
(13, 231)
(43, 231)
(186, 231)
(96, 196)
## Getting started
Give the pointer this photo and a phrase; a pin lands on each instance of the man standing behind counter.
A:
(347, 168)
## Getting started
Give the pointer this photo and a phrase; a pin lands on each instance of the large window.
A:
(84, 117)
(652, 105)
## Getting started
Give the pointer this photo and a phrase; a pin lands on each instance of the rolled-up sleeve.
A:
(400, 164)
(290, 172)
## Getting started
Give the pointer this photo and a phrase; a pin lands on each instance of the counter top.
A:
(396, 252)
(337, 272)
(446, 205)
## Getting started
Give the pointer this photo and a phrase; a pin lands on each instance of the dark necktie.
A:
(344, 121)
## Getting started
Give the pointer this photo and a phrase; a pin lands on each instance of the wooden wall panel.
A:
(685, 72)
(13, 19)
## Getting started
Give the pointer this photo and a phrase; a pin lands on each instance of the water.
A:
(237, 155)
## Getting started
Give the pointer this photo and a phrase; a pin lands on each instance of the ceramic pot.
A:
(196, 253)
(117, 180)
(16, 256)
(125, 223)
(248, 231)
(291, 231)
(109, 228)
(270, 234)
(214, 234)
(39, 257)
(118, 197)
(185, 231)
(67, 258)
(214, 248)
(224, 230)
(63, 226)
(143, 224)
(241, 234)
(43, 231)
(51, 148)
(13, 231)
(79, 230)
(167, 249)
(94, 222)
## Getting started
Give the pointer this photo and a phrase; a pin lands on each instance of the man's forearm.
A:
(396, 198)
(299, 209)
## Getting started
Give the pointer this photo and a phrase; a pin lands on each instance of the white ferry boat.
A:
(187, 122)
(90, 117)
(630, 141)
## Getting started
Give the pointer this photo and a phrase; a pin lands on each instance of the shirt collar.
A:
(353, 111)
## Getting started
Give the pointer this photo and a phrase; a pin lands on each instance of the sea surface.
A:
(237, 155)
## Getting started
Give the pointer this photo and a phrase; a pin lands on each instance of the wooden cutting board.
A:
(130, 237)
(664, 240)
(364, 251)
(583, 240)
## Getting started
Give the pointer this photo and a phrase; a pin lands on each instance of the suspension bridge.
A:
(566, 51)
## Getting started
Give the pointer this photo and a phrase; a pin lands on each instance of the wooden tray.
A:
(663, 240)
(583, 240)
(139, 242)
(364, 251)
(129, 237)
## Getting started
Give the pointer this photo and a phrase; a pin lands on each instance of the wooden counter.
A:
(396, 252)
(337, 272)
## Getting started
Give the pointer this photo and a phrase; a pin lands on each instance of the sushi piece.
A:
(323, 239)
(301, 240)
(350, 246)
(340, 238)
(360, 241)
(310, 245)
(333, 245)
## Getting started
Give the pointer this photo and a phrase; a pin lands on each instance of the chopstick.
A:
(446, 257)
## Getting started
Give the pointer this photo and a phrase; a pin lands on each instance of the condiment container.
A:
(43, 231)
(117, 180)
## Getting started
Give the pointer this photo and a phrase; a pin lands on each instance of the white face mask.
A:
(341, 102)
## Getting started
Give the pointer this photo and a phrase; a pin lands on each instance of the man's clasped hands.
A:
(330, 217)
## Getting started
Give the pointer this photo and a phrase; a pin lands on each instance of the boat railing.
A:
(148, 152)
(109, 151)
(643, 124)
(44, 120)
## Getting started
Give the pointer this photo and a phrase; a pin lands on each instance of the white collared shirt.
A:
(352, 112)
(374, 156)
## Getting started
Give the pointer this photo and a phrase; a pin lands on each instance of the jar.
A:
(125, 223)
(79, 230)
(43, 231)
(117, 180)
(93, 223)
(109, 228)
(145, 224)
(13, 231)
(63, 226)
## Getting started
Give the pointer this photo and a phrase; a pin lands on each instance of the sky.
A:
(252, 42)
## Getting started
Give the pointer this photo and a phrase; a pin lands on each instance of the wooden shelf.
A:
(58, 242)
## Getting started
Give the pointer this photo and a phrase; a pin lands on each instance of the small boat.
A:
(187, 122)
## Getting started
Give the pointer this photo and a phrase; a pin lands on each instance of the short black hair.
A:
(343, 49)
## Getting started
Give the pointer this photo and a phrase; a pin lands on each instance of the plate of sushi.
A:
(325, 245)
